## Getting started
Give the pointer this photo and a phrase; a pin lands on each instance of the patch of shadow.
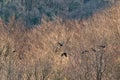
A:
(85, 1)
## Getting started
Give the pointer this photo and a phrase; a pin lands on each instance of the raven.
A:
(64, 54)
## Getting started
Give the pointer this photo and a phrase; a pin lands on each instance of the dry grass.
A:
(35, 54)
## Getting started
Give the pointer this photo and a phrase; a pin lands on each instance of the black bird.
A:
(60, 44)
(93, 49)
(64, 54)
(21, 56)
(14, 50)
(84, 51)
(102, 46)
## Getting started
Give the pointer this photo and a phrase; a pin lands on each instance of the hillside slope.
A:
(88, 49)
(32, 11)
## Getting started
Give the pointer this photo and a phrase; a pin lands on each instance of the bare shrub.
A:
(92, 49)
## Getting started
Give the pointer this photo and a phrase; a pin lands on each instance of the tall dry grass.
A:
(92, 48)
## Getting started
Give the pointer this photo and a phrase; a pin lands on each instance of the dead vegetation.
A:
(70, 50)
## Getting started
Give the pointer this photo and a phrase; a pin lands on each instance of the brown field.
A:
(62, 50)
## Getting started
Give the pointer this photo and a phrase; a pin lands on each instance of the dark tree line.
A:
(31, 11)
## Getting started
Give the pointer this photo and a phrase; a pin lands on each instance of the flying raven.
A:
(64, 54)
